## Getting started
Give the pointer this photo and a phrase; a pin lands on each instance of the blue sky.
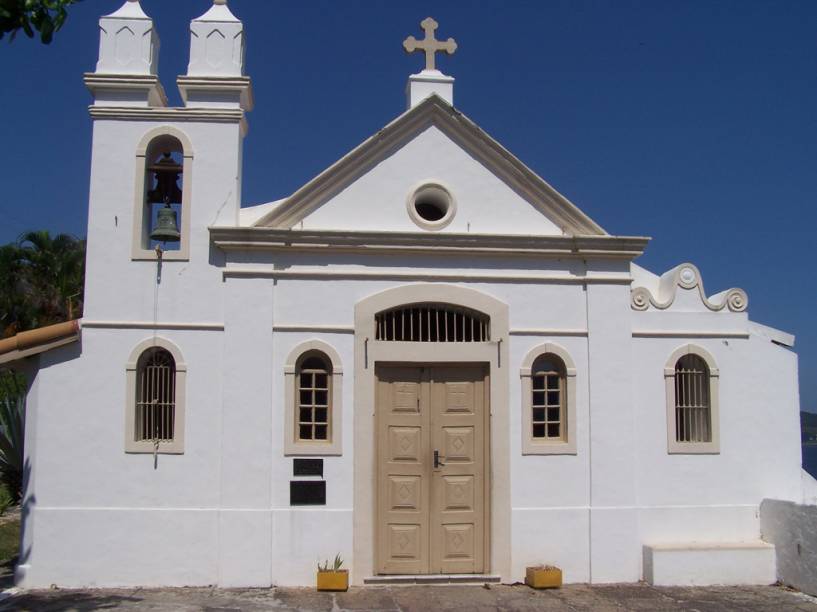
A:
(691, 122)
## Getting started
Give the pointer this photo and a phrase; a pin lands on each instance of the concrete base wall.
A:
(108, 547)
(792, 528)
(739, 563)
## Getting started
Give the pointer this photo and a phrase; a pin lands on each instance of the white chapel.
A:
(425, 359)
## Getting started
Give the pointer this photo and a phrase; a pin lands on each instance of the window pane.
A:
(320, 381)
(553, 414)
(553, 430)
(553, 382)
(553, 398)
(320, 415)
(306, 380)
(538, 382)
(313, 363)
(305, 432)
(320, 432)
(321, 397)
(538, 431)
(538, 398)
(539, 414)
(306, 397)
(544, 365)
(306, 415)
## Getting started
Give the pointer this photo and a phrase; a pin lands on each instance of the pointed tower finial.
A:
(128, 42)
(216, 43)
(215, 74)
(128, 58)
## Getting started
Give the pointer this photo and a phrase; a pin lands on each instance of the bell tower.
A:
(161, 176)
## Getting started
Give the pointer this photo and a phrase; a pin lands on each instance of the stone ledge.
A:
(710, 563)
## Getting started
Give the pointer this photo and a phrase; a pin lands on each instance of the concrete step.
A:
(710, 563)
(398, 579)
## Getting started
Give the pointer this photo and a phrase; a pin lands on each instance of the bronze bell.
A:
(167, 225)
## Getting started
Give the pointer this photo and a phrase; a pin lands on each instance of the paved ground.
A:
(415, 598)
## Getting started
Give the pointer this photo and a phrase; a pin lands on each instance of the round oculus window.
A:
(431, 206)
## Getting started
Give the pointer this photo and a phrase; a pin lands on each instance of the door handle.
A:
(437, 462)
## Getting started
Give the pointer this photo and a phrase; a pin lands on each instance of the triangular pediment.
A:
(430, 142)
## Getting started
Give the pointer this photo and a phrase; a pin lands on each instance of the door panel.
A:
(457, 504)
(431, 519)
(403, 471)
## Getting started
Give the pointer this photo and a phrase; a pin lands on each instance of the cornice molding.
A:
(465, 277)
(433, 111)
(239, 86)
(149, 84)
(204, 115)
(130, 113)
(676, 333)
(274, 239)
(323, 329)
(152, 325)
(537, 331)
(687, 276)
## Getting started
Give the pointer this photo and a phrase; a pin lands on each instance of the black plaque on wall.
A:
(307, 467)
(307, 492)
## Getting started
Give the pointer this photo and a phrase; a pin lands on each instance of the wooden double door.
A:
(432, 482)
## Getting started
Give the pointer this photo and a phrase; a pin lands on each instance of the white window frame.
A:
(674, 447)
(292, 445)
(138, 253)
(544, 446)
(176, 447)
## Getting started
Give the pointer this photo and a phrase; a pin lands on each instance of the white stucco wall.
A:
(226, 497)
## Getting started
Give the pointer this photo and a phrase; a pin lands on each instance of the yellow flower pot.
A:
(543, 577)
(333, 580)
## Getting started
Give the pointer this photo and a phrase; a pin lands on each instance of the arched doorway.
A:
(431, 376)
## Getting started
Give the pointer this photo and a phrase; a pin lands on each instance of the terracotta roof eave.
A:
(31, 342)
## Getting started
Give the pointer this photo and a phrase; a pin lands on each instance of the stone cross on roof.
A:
(429, 44)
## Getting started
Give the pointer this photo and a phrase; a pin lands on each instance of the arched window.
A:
(163, 194)
(548, 401)
(692, 407)
(548, 382)
(162, 207)
(312, 394)
(314, 376)
(155, 396)
(432, 322)
(156, 390)
(692, 418)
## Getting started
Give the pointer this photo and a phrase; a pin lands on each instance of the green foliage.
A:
(5, 500)
(336, 564)
(42, 277)
(43, 16)
(12, 427)
(12, 384)
(9, 540)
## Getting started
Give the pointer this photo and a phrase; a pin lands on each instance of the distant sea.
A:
(810, 459)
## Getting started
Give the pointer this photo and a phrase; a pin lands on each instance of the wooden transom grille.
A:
(313, 399)
(547, 378)
(692, 406)
(155, 396)
(432, 323)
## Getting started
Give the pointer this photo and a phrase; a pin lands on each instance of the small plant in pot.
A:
(333, 578)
